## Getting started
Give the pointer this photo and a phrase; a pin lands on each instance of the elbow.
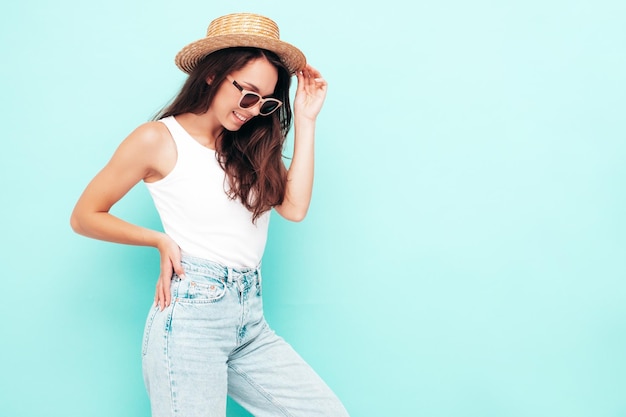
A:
(296, 215)
(75, 224)
(291, 212)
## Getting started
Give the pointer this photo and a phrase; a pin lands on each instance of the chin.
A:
(232, 128)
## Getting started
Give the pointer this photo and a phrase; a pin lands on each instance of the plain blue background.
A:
(464, 254)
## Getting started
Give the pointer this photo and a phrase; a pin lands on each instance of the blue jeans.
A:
(213, 341)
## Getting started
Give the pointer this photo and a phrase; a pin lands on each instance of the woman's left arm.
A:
(310, 96)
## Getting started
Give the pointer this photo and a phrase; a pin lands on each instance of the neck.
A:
(204, 128)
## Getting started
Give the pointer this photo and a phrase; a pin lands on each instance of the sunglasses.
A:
(250, 98)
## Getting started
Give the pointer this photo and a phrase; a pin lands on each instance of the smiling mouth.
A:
(240, 117)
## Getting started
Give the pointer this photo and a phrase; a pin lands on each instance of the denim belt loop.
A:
(229, 274)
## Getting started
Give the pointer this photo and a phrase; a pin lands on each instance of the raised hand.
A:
(310, 93)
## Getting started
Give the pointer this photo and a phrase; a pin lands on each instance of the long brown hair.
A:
(252, 156)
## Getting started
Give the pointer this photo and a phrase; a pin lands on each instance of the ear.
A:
(209, 79)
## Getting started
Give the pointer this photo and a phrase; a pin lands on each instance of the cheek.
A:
(222, 99)
(221, 107)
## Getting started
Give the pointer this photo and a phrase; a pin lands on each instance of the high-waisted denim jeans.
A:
(213, 341)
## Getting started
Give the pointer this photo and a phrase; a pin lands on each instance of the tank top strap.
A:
(184, 142)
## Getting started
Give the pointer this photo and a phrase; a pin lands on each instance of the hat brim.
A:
(190, 55)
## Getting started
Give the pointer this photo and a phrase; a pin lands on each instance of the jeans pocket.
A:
(207, 290)
(146, 332)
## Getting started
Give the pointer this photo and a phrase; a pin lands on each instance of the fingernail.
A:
(182, 276)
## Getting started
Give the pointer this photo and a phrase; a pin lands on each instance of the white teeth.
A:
(240, 117)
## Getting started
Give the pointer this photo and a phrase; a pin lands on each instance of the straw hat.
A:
(241, 29)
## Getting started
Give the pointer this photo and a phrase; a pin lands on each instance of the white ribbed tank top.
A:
(196, 212)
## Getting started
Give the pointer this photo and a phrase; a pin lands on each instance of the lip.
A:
(241, 118)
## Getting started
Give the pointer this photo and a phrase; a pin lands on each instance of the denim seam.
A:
(168, 359)
(148, 331)
(261, 391)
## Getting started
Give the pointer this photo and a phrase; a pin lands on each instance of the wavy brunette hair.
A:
(252, 156)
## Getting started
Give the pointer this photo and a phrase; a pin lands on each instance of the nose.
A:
(256, 109)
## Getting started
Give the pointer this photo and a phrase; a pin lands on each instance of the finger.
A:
(178, 266)
(313, 72)
(320, 82)
(305, 84)
(165, 278)
(160, 295)
(316, 82)
(301, 81)
(166, 291)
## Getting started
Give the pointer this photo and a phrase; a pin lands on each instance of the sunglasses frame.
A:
(260, 100)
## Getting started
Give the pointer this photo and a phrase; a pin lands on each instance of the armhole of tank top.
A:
(169, 126)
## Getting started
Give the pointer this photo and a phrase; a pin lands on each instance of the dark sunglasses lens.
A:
(268, 107)
(249, 100)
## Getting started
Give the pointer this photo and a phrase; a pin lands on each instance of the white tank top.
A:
(196, 211)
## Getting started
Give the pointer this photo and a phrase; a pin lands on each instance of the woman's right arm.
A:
(146, 154)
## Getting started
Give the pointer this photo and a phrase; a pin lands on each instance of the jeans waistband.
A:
(217, 270)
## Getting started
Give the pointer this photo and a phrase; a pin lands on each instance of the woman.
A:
(213, 165)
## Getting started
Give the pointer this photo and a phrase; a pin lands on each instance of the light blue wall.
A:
(465, 253)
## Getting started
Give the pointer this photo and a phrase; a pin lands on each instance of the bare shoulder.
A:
(151, 148)
(149, 151)
(150, 135)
